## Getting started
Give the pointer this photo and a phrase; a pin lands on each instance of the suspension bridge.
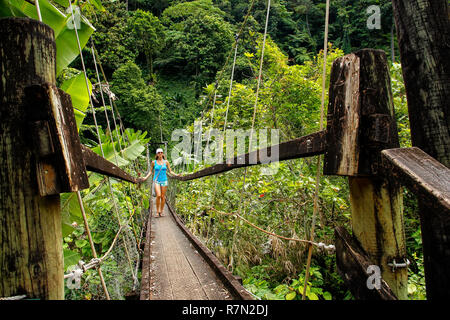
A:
(360, 142)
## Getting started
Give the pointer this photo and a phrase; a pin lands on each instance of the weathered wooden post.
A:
(31, 248)
(423, 30)
(361, 123)
(40, 156)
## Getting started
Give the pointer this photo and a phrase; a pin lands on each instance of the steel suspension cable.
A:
(116, 128)
(102, 151)
(244, 22)
(117, 163)
(317, 185)
(230, 89)
(80, 202)
(225, 122)
(251, 131)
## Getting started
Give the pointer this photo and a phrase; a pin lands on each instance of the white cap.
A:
(159, 150)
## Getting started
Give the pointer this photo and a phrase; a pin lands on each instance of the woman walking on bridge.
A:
(160, 181)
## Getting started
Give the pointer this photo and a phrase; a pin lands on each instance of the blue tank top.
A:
(160, 171)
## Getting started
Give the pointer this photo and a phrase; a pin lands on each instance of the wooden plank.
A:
(342, 155)
(58, 145)
(98, 164)
(232, 284)
(430, 181)
(353, 265)
(69, 139)
(306, 146)
(31, 253)
(422, 174)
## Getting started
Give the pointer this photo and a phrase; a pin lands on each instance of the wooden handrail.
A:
(98, 164)
(421, 173)
(306, 146)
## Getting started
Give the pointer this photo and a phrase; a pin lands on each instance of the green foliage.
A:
(401, 106)
(416, 281)
(75, 85)
(197, 41)
(139, 104)
(112, 39)
(148, 33)
(62, 24)
(256, 284)
(104, 220)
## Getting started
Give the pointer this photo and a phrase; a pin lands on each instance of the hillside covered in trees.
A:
(169, 51)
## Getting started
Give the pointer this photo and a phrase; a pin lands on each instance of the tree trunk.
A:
(423, 30)
(31, 261)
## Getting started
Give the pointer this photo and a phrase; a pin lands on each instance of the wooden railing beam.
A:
(98, 164)
(421, 173)
(307, 146)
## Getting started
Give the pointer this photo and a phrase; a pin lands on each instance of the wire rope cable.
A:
(317, 184)
(233, 246)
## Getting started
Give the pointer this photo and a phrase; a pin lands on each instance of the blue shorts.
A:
(163, 183)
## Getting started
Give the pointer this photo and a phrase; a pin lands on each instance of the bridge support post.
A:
(361, 123)
(423, 37)
(31, 260)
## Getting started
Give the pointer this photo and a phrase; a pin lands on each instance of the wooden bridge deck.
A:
(173, 269)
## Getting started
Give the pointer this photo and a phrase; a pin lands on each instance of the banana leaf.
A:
(70, 213)
(66, 42)
(76, 87)
(70, 258)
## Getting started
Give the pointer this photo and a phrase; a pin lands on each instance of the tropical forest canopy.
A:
(160, 55)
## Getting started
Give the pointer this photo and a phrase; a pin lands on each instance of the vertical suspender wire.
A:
(122, 134)
(229, 54)
(80, 201)
(38, 9)
(316, 191)
(209, 151)
(212, 114)
(109, 97)
(117, 163)
(231, 84)
(225, 122)
(117, 130)
(230, 89)
(253, 125)
(103, 100)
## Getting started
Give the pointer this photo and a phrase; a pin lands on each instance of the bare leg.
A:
(163, 198)
(158, 198)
